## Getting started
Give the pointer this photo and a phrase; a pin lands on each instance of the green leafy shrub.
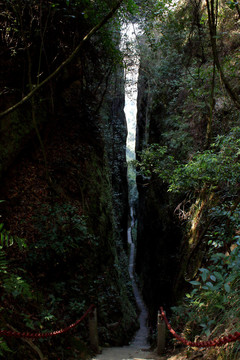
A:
(156, 160)
(215, 169)
(211, 308)
(11, 282)
(12, 285)
(61, 231)
(212, 305)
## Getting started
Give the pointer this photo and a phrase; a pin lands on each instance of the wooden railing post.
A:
(93, 331)
(161, 335)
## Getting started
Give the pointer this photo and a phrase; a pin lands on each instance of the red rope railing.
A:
(201, 344)
(47, 334)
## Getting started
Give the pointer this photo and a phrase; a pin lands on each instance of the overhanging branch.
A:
(64, 63)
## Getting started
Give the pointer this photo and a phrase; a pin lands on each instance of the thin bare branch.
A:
(64, 63)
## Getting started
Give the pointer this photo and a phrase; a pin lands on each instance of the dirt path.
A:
(133, 353)
(125, 353)
(138, 349)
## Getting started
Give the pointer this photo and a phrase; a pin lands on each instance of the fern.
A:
(3, 261)
(6, 239)
(3, 347)
(16, 285)
(11, 282)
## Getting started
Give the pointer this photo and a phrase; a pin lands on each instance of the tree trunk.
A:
(64, 63)
(212, 22)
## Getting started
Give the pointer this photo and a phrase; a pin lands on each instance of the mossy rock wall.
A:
(84, 202)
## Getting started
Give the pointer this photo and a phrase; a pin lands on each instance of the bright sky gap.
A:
(131, 64)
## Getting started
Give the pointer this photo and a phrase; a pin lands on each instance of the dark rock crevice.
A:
(158, 233)
(85, 144)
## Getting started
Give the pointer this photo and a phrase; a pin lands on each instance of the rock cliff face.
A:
(115, 135)
(158, 233)
(73, 209)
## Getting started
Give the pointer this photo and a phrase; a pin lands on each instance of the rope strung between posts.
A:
(201, 344)
(47, 334)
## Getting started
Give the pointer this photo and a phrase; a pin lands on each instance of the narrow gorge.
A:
(68, 195)
(119, 176)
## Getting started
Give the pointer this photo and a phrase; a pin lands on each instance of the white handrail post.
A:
(93, 331)
(161, 334)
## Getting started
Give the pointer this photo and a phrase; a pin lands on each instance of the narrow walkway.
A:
(125, 353)
(138, 349)
(141, 336)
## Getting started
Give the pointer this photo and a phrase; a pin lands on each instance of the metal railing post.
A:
(161, 334)
(93, 331)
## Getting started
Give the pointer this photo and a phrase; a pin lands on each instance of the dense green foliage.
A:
(58, 172)
(190, 58)
(73, 251)
(13, 283)
(215, 170)
(216, 289)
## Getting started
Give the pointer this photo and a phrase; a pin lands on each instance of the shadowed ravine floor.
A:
(138, 349)
(140, 339)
